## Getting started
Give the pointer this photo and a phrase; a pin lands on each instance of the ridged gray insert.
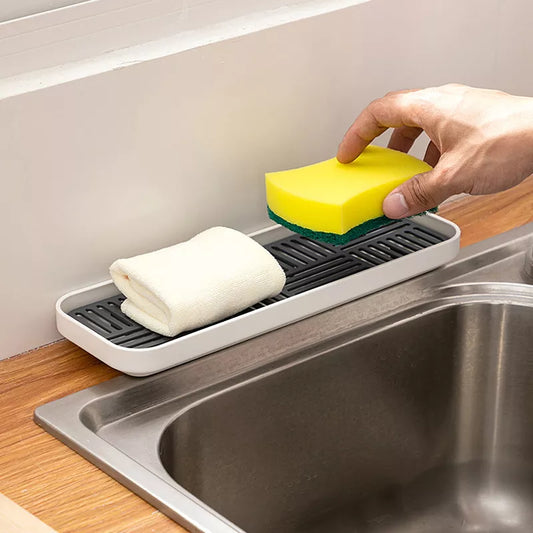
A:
(307, 264)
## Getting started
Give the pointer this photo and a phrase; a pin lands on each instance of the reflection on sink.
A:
(409, 411)
(425, 422)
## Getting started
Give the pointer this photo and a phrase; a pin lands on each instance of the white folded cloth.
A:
(214, 275)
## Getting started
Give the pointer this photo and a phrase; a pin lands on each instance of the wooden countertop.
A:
(70, 494)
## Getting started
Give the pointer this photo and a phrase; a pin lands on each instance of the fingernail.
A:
(395, 206)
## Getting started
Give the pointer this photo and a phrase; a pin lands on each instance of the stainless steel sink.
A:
(410, 410)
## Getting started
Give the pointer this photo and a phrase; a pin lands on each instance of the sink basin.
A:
(428, 420)
(408, 411)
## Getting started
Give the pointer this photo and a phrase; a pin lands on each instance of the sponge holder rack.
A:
(319, 277)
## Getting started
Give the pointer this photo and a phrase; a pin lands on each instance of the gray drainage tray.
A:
(319, 276)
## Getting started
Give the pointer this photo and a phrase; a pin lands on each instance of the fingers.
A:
(420, 193)
(402, 138)
(360, 134)
(392, 111)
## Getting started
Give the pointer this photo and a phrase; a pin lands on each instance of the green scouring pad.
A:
(334, 238)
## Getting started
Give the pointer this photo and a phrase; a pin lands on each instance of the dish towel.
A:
(214, 275)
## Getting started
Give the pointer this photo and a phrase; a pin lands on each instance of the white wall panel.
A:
(147, 155)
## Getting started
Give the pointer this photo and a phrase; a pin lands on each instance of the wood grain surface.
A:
(44, 476)
(480, 217)
(70, 494)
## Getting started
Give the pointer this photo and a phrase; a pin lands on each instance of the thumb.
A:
(420, 193)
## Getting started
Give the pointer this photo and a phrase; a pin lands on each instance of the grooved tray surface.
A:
(307, 264)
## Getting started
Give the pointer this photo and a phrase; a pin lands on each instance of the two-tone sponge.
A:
(335, 202)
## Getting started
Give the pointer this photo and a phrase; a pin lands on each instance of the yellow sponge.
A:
(336, 202)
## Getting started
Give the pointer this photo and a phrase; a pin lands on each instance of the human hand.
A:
(481, 142)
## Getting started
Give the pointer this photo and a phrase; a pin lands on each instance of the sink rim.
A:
(171, 495)
(442, 297)
(61, 418)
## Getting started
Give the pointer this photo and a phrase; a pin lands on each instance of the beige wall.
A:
(136, 158)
